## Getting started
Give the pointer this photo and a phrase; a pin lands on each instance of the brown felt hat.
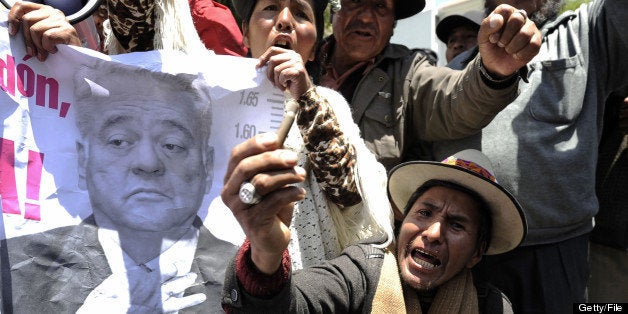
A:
(473, 170)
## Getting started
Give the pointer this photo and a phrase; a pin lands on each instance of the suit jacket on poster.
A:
(54, 271)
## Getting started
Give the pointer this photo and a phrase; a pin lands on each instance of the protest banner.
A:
(40, 148)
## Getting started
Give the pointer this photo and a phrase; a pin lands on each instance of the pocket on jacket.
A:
(380, 112)
(556, 97)
(378, 130)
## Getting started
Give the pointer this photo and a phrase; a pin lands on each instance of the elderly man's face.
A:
(363, 28)
(438, 238)
(144, 164)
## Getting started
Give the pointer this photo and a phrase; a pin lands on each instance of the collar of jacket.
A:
(550, 25)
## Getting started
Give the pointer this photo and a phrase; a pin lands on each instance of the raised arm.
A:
(332, 156)
(448, 104)
(270, 171)
(507, 40)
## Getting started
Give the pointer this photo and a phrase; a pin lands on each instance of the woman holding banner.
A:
(339, 185)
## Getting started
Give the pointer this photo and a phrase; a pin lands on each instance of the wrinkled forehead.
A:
(140, 94)
(110, 82)
(146, 111)
(130, 87)
(446, 197)
(313, 4)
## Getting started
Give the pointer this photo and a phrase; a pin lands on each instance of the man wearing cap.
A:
(145, 162)
(459, 32)
(454, 213)
(398, 98)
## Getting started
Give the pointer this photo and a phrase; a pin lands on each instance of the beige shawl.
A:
(458, 295)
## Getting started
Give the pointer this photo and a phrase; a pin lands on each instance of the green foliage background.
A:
(572, 4)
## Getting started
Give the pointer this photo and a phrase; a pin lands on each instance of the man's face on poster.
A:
(145, 163)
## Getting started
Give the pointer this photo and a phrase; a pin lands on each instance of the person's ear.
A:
(209, 168)
(245, 35)
(81, 152)
(477, 255)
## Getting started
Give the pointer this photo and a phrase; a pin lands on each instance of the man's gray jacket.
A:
(544, 146)
(346, 284)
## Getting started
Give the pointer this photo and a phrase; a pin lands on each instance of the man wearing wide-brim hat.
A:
(398, 98)
(454, 213)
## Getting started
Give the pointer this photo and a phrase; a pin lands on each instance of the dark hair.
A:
(485, 224)
(244, 8)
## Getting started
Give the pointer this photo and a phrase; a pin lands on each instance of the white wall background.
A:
(419, 31)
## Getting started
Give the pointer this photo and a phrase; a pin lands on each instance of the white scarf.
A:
(320, 229)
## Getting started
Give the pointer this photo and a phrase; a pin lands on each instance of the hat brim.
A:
(408, 8)
(445, 26)
(86, 11)
(509, 224)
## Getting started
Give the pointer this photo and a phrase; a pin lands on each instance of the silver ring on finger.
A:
(523, 13)
(248, 195)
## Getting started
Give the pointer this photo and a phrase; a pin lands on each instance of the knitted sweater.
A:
(544, 145)
(320, 228)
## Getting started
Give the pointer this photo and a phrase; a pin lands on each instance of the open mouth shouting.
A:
(425, 259)
(282, 44)
(363, 33)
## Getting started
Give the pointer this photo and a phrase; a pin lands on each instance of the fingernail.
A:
(299, 171)
(288, 156)
(11, 29)
(191, 276)
(499, 43)
(266, 138)
(493, 38)
(494, 21)
(29, 51)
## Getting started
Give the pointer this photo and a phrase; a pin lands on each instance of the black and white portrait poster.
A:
(110, 174)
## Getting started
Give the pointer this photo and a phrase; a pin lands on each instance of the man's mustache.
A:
(364, 27)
